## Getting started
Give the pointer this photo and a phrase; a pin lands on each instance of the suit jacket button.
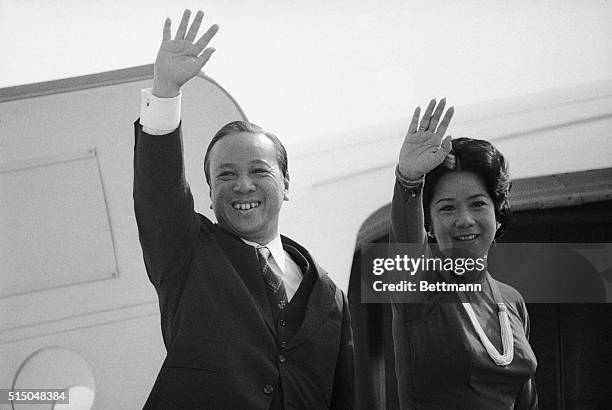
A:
(283, 344)
(283, 323)
(281, 358)
(268, 389)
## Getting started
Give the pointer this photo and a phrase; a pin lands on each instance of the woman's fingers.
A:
(415, 121)
(445, 121)
(427, 115)
(444, 149)
(435, 118)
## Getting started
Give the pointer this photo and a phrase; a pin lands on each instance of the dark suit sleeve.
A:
(163, 203)
(343, 393)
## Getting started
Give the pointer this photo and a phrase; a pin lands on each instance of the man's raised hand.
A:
(180, 59)
(425, 147)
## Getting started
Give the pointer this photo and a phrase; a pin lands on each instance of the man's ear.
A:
(286, 196)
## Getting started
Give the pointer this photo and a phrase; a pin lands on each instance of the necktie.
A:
(274, 282)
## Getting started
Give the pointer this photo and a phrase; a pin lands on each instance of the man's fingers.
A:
(415, 121)
(427, 116)
(180, 33)
(203, 59)
(206, 37)
(445, 121)
(167, 36)
(195, 26)
(435, 118)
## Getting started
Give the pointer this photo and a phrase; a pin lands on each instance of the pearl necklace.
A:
(507, 338)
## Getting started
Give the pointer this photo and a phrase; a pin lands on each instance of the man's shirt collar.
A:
(276, 250)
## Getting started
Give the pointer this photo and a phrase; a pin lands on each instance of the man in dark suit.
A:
(249, 320)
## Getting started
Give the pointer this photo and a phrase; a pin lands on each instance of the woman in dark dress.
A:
(457, 350)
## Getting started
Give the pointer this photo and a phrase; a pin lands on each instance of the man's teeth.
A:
(245, 207)
(466, 237)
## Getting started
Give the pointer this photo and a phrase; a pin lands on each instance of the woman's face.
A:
(463, 215)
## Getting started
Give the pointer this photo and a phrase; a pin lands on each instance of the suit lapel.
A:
(243, 258)
(321, 297)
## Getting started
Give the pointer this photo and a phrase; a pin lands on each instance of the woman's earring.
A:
(497, 225)
(430, 233)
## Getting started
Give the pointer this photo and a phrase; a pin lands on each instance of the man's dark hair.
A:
(483, 159)
(245, 126)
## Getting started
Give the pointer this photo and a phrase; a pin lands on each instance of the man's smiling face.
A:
(247, 187)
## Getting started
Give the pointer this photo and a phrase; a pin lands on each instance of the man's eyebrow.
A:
(228, 165)
(260, 161)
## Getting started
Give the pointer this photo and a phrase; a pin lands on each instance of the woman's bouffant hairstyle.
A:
(483, 159)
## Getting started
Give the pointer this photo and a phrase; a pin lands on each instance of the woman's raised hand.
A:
(180, 59)
(425, 147)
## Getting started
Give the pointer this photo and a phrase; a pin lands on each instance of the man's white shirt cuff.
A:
(159, 116)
